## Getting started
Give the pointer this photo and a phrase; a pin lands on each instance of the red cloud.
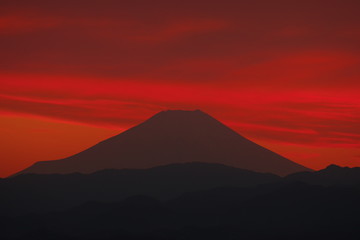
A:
(285, 74)
(301, 117)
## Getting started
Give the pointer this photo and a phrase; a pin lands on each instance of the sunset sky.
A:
(285, 74)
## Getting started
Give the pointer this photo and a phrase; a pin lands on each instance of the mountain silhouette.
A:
(182, 201)
(291, 211)
(47, 192)
(173, 136)
(333, 175)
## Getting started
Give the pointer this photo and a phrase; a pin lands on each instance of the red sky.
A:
(285, 74)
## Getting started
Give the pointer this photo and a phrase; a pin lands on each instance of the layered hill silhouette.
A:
(50, 192)
(333, 175)
(173, 136)
(55, 192)
(212, 201)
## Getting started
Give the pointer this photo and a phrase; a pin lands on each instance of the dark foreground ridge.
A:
(182, 201)
(52, 192)
(173, 136)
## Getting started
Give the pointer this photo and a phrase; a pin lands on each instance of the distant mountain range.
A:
(182, 201)
(333, 175)
(173, 136)
(46, 192)
(49, 192)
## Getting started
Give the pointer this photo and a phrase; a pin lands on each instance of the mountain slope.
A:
(172, 137)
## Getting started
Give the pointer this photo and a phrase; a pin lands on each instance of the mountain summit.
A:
(173, 136)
